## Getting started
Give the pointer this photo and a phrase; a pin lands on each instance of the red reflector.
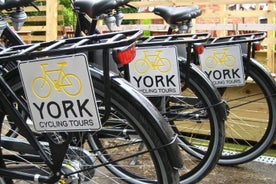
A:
(258, 46)
(126, 56)
(199, 49)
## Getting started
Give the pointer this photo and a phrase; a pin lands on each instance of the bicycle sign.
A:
(154, 71)
(223, 65)
(55, 94)
(67, 83)
(152, 61)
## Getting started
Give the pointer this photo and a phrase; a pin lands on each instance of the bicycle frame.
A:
(53, 163)
(58, 150)
(61, 82)
(84, 24)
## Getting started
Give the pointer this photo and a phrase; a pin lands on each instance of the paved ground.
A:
(249, 173)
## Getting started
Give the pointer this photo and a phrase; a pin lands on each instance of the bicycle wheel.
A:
(20, 161)
(197, 116)
(230, 61)
(251, 123)
(71, 85)
(163, 65)
(154, 164)
(211, 62)
(43, 86)
(128, 129)
(141, 66)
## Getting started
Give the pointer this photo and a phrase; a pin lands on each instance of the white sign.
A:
(223, 65)
(155, 72)
(60, 94)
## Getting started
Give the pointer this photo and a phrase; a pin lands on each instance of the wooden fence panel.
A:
(220, 21)
(45, 26)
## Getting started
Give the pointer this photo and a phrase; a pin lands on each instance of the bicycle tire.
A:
(199, 98)
(251, 123)
(141, 66)
(210, 102)
(141, 118)
(165, 171)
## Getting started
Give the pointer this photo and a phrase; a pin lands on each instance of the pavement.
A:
(260, 171)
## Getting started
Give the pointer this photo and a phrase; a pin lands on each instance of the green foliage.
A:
(68, 13)
(146, 21)
(129, 10)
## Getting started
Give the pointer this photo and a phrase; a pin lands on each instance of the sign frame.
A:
(223, 65)
(57, 99)
(155, 71)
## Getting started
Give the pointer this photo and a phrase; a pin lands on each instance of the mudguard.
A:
(166, 134)
(193, 70)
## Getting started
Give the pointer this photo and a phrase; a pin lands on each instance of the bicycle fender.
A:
(165, 133)
(269, 78)
(193, 71)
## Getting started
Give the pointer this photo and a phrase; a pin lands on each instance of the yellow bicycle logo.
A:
(222, 58)
(153, 61)
(68, 83)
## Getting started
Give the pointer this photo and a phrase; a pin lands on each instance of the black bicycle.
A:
(250, 126)
(127, 119)
(197, 114)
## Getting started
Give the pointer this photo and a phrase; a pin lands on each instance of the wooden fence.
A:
(218, 20)
(45, 25)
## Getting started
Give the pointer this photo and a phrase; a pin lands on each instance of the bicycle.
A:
(202, 104)
(124, 126)
(199, 104)
(65, 82)
(221, 58)
(161, 64)
(246, 137)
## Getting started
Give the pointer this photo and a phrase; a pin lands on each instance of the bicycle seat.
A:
(172, 15)
(9, 4)
(94, 8)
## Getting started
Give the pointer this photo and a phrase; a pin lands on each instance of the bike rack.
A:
(70, 46)
(13, 55)
(186, 41)
(236, 39)
(165, 40)
(247, 42)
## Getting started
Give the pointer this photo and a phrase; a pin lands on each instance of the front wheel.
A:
(163, 65)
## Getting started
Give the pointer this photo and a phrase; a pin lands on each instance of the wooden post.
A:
(271, 45)
(223, 20)
(51, 20)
